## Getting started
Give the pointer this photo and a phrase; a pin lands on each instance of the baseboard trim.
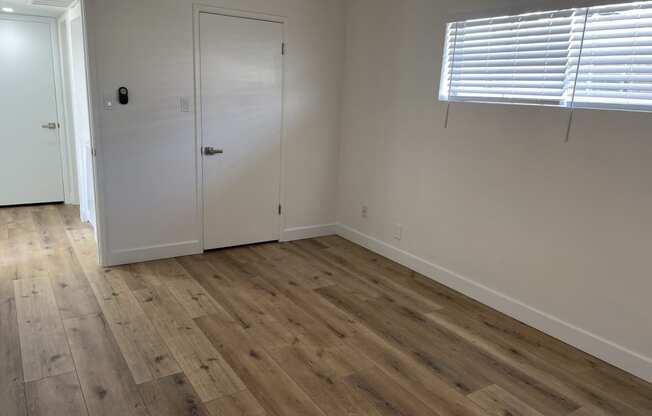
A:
(586, 341)
(164, 251)
(302, 233)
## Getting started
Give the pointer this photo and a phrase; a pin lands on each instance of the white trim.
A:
(302, 233)
(67, 159)
(593, 344)
(149, 253)
(94, 106)
(71, 186)
(199, 176)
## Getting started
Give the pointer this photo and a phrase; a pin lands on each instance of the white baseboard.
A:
(586, 341)
(301, 233)
(140, 254)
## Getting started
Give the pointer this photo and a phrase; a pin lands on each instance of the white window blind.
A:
(598, 57)
(616, 64)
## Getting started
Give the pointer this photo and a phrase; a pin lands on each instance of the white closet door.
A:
(241, 95)
(30, 155)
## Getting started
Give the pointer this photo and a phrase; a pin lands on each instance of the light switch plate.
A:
(184, 104)
(108, 100)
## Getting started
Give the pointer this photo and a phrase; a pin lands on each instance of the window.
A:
(598, 57)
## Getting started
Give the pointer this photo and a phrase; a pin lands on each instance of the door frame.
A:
(198, 9)
(68, 163)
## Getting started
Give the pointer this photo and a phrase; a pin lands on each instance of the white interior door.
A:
(30, 156)
(241, 97)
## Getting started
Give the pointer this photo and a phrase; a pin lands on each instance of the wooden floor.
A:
(316, 327)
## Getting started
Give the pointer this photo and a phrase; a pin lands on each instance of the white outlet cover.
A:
(398, 231)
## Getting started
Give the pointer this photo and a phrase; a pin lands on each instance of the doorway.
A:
(31, 158)
(241, 96)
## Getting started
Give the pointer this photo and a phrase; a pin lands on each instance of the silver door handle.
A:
(211, 151)
(51, 126)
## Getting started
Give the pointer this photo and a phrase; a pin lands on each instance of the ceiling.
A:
(25, 7)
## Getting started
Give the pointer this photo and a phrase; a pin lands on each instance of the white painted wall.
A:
(498, 206)
(146, 154)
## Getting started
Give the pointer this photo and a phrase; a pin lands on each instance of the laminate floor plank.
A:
(462, 306)
(170, 274)
(590, 411)
(142, 347)
(70, 216)
(50, 227)
(172, 396)
(278, 394)
(551, 375)
(339, 322)
(104, 376)
(318, 327)
(12, 388)
(243, 310)
(72, 291)
(464, 366)
(388, 398)
(56, 396)
(430, 351)
(242, 403)
(320, 373)
(43, 345)
(421, 381)
(145, 351)
(208, 372)
(385, 284)
(498, 402)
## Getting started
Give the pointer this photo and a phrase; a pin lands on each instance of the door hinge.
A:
(283, 48)
(280, 209)
(93, 152)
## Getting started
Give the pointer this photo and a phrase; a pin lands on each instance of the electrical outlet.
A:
(398, 231)
(365, 211)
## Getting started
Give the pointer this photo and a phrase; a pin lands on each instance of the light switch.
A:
(184, 104)
(108, 101)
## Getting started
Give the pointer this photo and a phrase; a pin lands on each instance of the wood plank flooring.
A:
(317, 327)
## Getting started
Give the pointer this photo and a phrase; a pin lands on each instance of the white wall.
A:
(146, 152)
(498, 206)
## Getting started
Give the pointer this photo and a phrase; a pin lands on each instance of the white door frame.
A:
(68, 170)
(70, 165)
(94, 103)
(197, 10)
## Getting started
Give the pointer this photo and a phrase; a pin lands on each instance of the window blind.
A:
(598, 57)
(616, 64)
(514, 58)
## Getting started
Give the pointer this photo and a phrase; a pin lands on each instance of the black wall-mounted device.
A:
(123, 95)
